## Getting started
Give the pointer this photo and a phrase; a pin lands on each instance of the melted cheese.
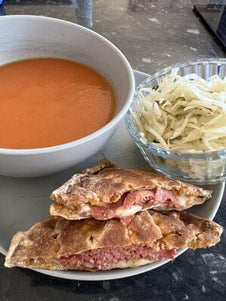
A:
(85, 208)
(131, 264)
(127, 212)
(182, 200)
(122, 212)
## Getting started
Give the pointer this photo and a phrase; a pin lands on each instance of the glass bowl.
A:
(198, 168)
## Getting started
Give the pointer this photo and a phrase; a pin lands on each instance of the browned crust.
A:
(57, 237)
(105, 183)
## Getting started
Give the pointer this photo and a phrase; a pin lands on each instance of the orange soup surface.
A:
(47, 101)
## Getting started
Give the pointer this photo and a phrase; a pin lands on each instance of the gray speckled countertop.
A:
(152, 34)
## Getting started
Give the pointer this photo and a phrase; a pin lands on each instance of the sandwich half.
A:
(60, 244)
(107, 191)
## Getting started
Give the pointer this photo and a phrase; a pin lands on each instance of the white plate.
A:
(26, 201)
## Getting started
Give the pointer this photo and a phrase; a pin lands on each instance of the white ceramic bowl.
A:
(34, 36)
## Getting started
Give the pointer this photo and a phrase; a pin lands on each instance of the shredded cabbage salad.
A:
(186, 114)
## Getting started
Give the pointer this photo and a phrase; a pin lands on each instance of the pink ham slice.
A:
(107, 258)
(139, 197)
(143, 198)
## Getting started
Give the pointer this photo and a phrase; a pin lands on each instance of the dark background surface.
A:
(152, 34)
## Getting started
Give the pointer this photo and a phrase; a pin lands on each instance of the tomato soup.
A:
(49, 101)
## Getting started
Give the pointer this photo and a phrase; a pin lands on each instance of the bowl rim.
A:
(102, 130)
(151, 147)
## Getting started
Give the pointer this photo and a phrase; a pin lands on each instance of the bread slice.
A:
(107, 191)
(60, 244)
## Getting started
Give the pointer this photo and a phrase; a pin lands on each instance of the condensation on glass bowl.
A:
(199, 168)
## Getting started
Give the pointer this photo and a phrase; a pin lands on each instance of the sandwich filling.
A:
(132, 202)
(106, 191)
(118, 257)
(129, 204)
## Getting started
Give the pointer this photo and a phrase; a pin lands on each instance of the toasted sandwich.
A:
(60, 244)
(107, 191)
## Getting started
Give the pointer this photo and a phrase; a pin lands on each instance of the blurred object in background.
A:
(2, 9)
(78, 11)
(84, 12)
(213, 15)
(38, 2)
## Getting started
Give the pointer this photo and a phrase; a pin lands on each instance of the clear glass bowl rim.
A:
(207, 156)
